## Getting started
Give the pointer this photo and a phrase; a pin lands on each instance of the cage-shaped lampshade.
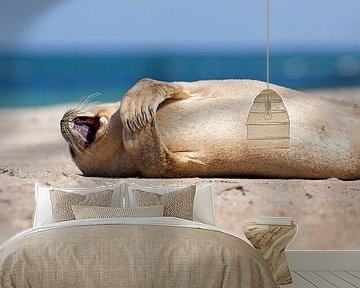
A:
(268, 124)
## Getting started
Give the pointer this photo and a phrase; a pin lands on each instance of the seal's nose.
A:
(65, 120)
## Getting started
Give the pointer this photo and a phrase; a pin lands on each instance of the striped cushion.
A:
(94, 212)
(177, 203)
(61, 202)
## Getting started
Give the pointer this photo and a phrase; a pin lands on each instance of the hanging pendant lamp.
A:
(268, 123)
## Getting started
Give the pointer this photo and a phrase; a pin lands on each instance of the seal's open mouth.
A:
(86, 128)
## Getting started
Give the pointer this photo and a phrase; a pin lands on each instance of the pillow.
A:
(94, 212)
(204, 202)
(43, 212)
(61, 202)
(177, 204)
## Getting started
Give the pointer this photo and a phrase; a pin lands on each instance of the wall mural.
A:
(193, 144)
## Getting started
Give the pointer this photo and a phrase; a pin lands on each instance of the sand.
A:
(32, 149)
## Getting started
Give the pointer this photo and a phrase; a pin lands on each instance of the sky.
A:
(163, 25)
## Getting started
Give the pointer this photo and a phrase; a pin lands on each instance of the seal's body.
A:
(185, 129)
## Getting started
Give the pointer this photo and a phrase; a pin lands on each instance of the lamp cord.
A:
(268, 44)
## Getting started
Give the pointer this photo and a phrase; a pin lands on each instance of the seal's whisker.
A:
(67, 107)
(73, 107)
(77, 103)
(86, 106)
(87, 100)
(82, 99)
(74, 144)
(78, 150)
(85, 151)
(78, 147)
(76, 107)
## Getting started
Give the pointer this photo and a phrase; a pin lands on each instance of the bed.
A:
(131, 252)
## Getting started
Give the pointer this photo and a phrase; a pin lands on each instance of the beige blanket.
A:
(128, 255)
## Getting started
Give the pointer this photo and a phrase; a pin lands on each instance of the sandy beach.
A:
(32, 149)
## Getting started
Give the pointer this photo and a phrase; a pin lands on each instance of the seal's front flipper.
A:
(138, 106)
(153, 159)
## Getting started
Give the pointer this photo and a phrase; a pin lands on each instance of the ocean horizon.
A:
(39, 80)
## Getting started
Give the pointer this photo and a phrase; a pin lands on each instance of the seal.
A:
(198, 129)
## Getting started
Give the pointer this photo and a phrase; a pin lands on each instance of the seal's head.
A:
(95, 141)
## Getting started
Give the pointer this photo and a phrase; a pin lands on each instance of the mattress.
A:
(131, 252)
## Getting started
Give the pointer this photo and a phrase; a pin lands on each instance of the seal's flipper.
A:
(138, 106)
(153, 159)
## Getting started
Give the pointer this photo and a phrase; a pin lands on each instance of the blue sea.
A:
(37, 80)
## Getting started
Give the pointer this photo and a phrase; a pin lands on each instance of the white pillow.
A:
(204, 202)
(43, 212)
(95, 212)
